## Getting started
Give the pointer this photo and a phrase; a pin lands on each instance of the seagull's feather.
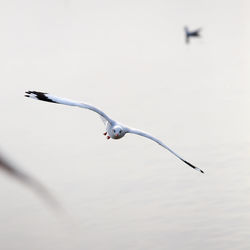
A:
(104, 120)
(50, 98)
(141, 133)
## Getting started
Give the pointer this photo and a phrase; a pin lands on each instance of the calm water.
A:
(130, 59)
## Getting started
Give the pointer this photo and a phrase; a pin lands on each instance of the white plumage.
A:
(115, 130)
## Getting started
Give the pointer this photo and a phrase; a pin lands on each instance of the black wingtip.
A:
(39, 95)
(30, 92)
(192, 166)
(198, 169)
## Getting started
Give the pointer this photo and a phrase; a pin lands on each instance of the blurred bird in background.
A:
(188, 33)
(29, 181)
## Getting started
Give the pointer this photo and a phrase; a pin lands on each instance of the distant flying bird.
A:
(114, 129)
(188, 34)
(27, 180)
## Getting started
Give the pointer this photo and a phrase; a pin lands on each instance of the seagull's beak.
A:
(116, 135)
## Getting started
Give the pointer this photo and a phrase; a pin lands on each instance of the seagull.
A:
(27, 180)
(195, 33)
(114, 129)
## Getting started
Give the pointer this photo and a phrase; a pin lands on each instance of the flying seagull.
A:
(114, 129)
(27, 180)
(188, 33)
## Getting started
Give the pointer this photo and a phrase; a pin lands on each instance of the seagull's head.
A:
(117, 132)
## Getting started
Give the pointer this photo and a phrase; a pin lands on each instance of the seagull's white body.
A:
(114, 129)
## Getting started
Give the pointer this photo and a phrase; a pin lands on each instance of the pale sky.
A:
(130, 59)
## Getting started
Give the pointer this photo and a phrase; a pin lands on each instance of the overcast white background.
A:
(128, 58)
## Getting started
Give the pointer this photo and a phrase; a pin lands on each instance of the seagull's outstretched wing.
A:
(50, 98)
(141, 133)
(186, 34)
(29, 181)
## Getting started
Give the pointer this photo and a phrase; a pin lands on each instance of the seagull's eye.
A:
(120, 132)
(114, 131)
